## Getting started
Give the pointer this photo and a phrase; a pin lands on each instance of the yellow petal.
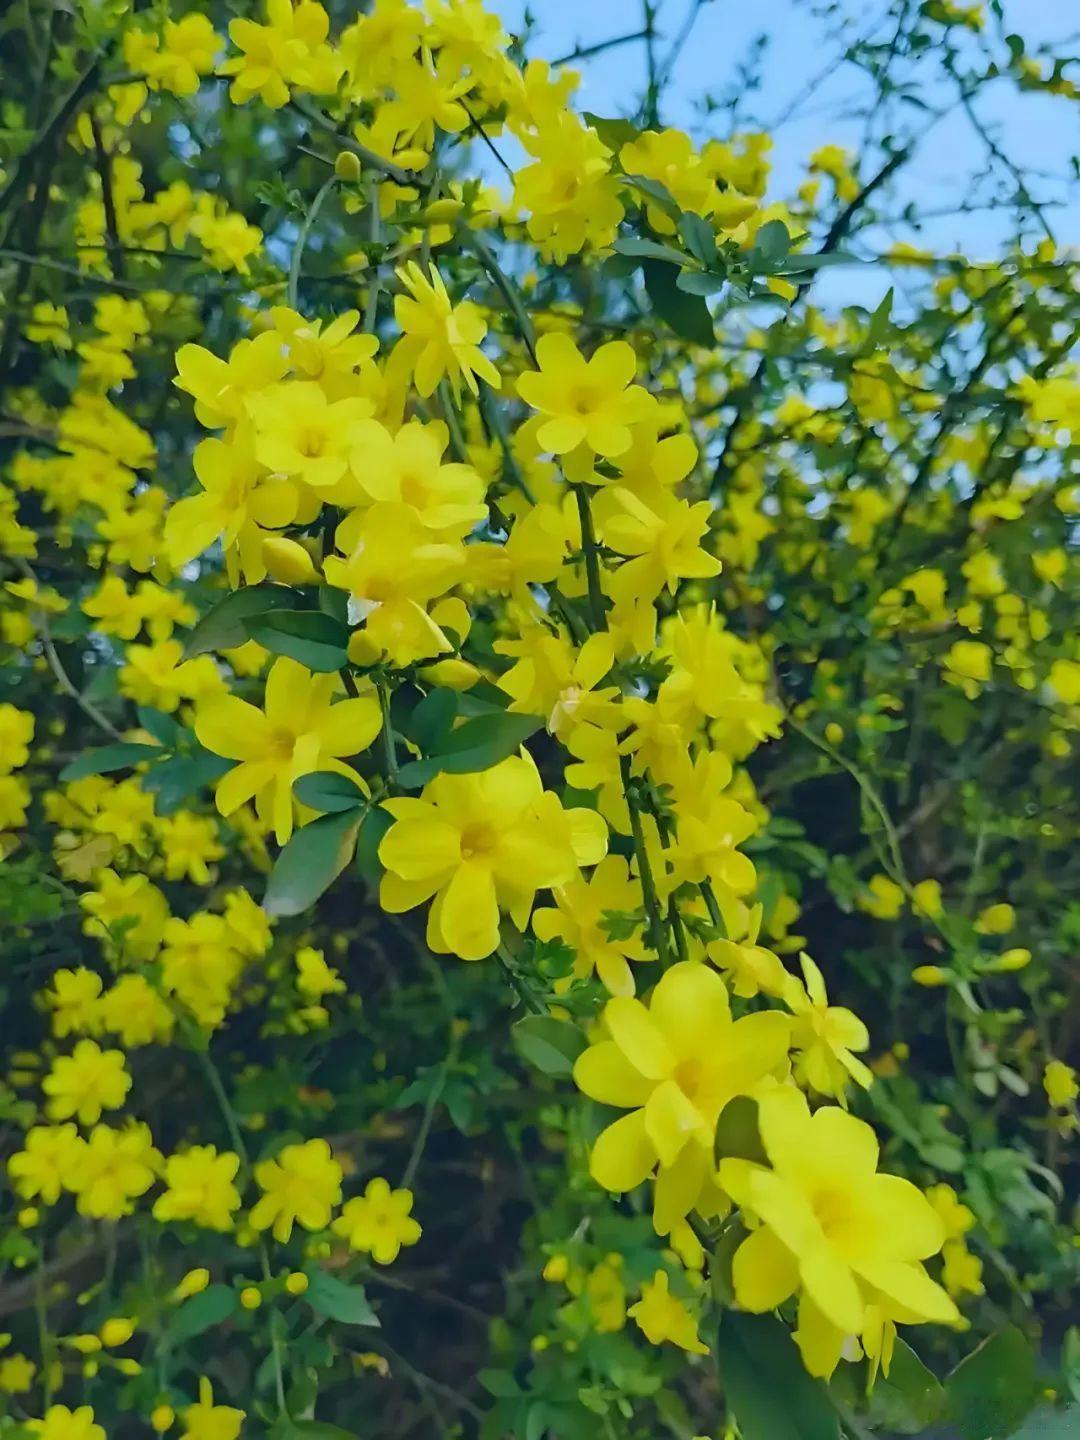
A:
(764, 1271)
(603, 1073)
(468, 912)
(639, 1037)
(623, 1155)
(690, 1007)
(671, 1120)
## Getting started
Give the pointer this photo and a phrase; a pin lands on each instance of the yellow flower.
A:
(1060, 1084)
(112, 1170)
(750, 968)
(200, 1188)
(568, 195)
(884, 898)
(552, 678)
(578, 919)
(135, 1011)
(584, 402)
(662, 1316)
(41, 1167)
(995, 920)
(439, 338)
(380, 1223)
(73, 1001)
(60, 1423)
(1064, 680)
(393, 567)
(301, 1185)
(207, 1421)
(222, 388)
(238, 499)
(16, 1374)
(407, 468)
(831, 1225)
(664, 540)
(479, 844)
(302, 434)
(926, 899)
(314, 978)
(85, 1083)
(16, 732)
(674, 1064)
(968, 664)
(299, 731)
(825, 1035)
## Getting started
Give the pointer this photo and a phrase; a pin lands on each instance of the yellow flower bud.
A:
(929, 975)
(347, 166)
(834, 733)
(296, 1283)
(117, 1331)
(161, 1418)
(1014, 959)
(288, 561)
(129, 1367)
(85, 1344)
(556, 1269)
(29, 1216)
(250, 1297)
(192, 1283)
(442, 210)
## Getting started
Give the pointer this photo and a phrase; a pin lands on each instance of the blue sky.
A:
(1039, 132)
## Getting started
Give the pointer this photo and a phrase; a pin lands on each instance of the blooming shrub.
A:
(474, 628)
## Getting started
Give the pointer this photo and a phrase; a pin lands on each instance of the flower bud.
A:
(347, 166)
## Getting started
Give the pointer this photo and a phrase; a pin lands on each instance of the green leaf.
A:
(329, 1296)
(699, 237)
(1051, 1425)
(549, 1045)
(165, 729)
(657, 194)
(687, 315)
(429, 724)
(800, 264)
(499, 1383)
(910, 1398)
(309, 1430)
(108, 758)
(223, 625)
(213, 1305)
(328, 791)
(770, 1394)
(879, 320)
(615, 133)
(309, 636)
(992, 1390)
(649, 250)
(770, 249)
(737, 1133)
(174, 780)
(700, 282)
(310, 863)
(476, 745)
(376, 823)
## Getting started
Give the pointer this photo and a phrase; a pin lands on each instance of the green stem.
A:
(42, 1312)
(302, 239)
(592, 558)
(386, 734)
(657, 930)
(506, 287)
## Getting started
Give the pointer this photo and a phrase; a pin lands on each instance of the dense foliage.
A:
(473, 629)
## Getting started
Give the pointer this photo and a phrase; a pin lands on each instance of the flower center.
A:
(477, 839)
